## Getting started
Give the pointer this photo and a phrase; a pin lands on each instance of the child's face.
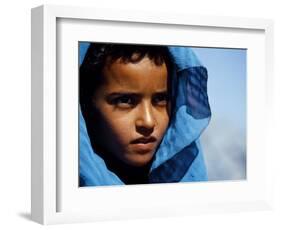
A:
(132, 110)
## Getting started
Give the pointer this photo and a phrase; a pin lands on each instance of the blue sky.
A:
(224, 141)
(226, 82)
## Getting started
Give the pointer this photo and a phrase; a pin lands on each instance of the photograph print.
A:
(161, 114)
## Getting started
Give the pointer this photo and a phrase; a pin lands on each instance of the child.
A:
(144, 109)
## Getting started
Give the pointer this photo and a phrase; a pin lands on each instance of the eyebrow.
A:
(137, 96)
(114, 94)
(110, 97)
(162, 92)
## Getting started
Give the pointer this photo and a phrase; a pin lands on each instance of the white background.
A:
(15, 114)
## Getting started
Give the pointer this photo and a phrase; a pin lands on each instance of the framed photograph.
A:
(144, 114)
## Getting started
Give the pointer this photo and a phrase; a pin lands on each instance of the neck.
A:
(127, 173)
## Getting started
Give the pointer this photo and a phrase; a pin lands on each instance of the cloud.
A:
(224, 145)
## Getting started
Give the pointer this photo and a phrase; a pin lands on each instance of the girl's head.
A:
(124, 96)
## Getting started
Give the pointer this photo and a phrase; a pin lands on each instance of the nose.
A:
(145, 121)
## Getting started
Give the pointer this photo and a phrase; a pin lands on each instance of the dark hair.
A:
(100, 54)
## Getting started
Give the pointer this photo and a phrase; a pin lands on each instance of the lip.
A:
(144, 140)
(144, 144)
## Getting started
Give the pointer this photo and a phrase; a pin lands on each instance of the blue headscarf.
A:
(179, 157)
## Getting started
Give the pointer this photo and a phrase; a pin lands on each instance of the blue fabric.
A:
(93, 170)
(179, 157)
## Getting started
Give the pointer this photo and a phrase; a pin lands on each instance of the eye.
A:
(124, 101)
(160, 99)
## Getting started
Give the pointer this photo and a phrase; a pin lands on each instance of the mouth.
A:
(144, 144)
(144, 140)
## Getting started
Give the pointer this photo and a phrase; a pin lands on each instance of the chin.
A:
(140, 161)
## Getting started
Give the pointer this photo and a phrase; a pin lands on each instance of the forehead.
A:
(144, 75)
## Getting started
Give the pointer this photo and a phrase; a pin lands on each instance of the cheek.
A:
(119, 129)
(163, 121)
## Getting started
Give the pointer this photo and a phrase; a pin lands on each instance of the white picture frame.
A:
(55, 199)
